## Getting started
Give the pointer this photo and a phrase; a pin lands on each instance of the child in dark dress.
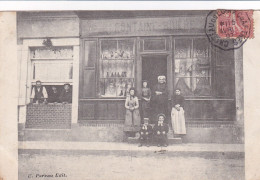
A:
(145, 133)
(160, 131)
(146, 97)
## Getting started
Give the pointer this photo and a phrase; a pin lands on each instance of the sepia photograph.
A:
(132, 94)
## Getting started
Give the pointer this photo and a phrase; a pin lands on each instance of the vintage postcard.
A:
(132, 94)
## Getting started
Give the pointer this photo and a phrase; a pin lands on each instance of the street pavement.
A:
(122, 161)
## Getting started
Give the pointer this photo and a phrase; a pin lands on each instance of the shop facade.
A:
(109, 52)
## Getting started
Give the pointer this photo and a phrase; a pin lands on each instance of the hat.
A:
(161, 77)
(161, 114)
(146, 119)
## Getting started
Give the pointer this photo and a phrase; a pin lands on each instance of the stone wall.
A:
(47, 24)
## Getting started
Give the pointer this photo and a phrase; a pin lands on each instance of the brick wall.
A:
(48, 116)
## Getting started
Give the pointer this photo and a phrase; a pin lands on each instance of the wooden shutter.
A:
(88, 66)
(224, 74)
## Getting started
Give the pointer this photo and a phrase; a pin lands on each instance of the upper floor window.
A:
(52, 65)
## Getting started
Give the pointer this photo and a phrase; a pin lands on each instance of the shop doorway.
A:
(152, 67)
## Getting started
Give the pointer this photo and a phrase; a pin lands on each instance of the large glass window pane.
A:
(108, 49)
(52, 71)
(126, 49)
(182, 48)
(200, 48)
(116, 67)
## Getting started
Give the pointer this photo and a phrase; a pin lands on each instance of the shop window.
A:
(116, 67)
(192, 67)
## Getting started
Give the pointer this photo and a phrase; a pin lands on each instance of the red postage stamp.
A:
(235, 24)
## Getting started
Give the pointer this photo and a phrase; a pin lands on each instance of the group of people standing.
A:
(152, 123)
(40, 95)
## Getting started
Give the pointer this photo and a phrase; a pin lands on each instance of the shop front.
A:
(103, 54)
(119, 53)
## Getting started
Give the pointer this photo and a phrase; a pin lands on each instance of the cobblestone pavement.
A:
(127, 167)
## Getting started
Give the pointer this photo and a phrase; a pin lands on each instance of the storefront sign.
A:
(143, 26)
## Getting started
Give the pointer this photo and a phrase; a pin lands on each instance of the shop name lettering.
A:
(122, 27)
(134, 27)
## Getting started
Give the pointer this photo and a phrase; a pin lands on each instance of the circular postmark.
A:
(228, 29)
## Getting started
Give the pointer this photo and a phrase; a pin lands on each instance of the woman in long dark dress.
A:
(146, 97)
(160, 97)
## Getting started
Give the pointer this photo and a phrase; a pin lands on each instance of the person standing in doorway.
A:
(177, 114)
(146, 97)
(160, 97)
(39, 93)
(132, 117)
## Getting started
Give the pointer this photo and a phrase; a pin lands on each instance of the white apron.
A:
(178, 121)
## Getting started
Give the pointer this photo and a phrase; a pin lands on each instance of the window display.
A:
(192, 67)
(116, 67)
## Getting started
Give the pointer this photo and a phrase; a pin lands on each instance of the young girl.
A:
(177, 114)
(146, 97)
(132, 117)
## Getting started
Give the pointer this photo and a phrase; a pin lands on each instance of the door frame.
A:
(169, 78)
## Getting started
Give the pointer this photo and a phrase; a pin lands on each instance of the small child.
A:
(160, 131)
(145, 133)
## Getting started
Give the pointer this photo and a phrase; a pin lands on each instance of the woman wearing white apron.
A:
(177, 114)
